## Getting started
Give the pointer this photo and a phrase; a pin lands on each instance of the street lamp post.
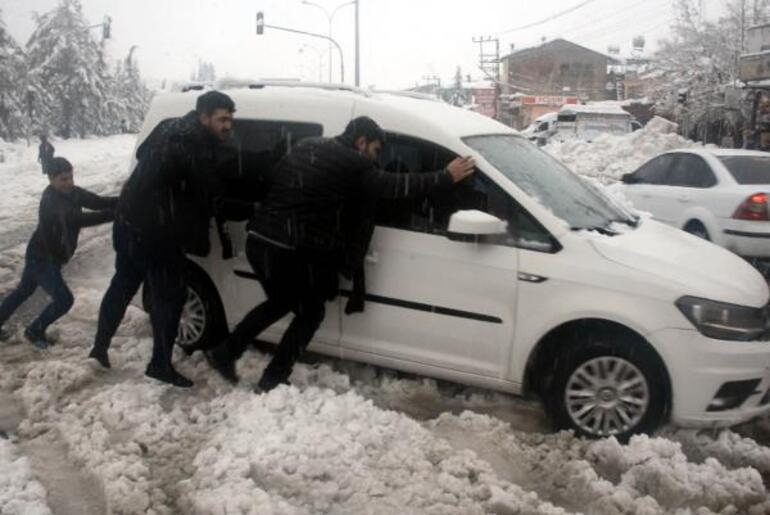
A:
(329, 19)
(319, 53)
(261, 26)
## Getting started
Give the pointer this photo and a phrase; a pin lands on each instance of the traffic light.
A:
(106, 30)
(260, 23)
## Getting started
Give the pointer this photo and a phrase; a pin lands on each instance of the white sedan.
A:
(717, 194)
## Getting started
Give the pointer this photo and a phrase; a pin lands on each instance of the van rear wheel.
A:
(202, 323)
(607, 388)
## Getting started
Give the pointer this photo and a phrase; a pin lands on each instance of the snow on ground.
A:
(345, 438)
(20, 492)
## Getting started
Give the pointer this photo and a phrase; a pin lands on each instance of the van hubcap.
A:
(607, 396)
(193, 320)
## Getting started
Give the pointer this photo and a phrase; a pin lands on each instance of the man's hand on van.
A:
(460, 168)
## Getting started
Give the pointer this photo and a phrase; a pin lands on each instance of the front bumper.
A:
(699, 366)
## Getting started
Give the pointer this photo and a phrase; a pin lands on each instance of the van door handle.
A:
(372, 258)
(683, 198)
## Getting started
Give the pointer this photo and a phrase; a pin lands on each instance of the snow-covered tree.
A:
(206, 72)
(695, 64)
(68, 67)
(13, 86)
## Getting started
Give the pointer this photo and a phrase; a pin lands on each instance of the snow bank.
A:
(314, 451)
(608, 157)
(649, 475)
(20, 492)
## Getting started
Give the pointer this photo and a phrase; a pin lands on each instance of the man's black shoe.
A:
(100, 356)
(220, 360)
(4, 335)
(268, 383)
(168, 375)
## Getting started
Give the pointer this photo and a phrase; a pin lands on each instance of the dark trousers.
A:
(293, 282)
(161, 269)
(47, 276)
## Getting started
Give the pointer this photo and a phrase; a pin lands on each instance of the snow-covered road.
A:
(343, 439)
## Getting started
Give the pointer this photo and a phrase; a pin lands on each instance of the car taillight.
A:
(753, 208)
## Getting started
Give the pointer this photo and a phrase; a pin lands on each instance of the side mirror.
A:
(473, 225)
(628, 178)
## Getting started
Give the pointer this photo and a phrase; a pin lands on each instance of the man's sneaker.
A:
(220, 360)
(100, 356)
(38, 340)
(168, 375)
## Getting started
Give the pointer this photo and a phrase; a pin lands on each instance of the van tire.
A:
(607, 353)
(696, 228)
(202, 324)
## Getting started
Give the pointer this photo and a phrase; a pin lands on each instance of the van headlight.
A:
(724, 321)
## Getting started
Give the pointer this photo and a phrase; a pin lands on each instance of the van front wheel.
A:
(607, 389)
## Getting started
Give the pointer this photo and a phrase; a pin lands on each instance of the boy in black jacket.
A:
(52, 245)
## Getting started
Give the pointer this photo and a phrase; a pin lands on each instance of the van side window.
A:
(430, 214)
(256, 146)
(263, 135)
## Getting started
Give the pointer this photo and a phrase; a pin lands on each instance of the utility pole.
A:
(435, 81)
(358, 60)
(743, 26)
(489, 62)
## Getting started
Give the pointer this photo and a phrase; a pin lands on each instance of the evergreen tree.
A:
(13, 87)
(68, 66)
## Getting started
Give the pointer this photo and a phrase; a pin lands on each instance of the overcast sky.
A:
(402, 41)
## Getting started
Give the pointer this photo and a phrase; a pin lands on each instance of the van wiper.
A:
(631, 222)
(601, 229)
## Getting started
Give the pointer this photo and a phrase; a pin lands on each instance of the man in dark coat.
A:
(52, 245)
(163, 213)
(45, 153)
(306, 230)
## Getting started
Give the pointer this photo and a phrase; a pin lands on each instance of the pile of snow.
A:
(20, 492)
(608, 157)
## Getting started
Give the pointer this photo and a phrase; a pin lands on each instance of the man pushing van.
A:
(163, 213)
(307, 229)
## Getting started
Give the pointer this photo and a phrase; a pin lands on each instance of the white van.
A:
(618, 323)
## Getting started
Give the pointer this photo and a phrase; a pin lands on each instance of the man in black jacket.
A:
(52, 245)
(163, 212)
(312, 221)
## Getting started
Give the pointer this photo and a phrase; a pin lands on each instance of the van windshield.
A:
(542, 177)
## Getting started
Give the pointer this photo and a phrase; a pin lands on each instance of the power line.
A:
(547, 19)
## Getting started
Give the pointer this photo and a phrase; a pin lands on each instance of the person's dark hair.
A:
(57, 166)
(366, 127)
(210, 101)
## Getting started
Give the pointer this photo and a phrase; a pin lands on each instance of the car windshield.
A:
(748, 169)
(542, 177)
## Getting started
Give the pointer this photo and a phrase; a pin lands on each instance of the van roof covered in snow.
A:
(334, 105)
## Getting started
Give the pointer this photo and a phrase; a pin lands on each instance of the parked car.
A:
(523, 279)
(541, 129)
(720, 195)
